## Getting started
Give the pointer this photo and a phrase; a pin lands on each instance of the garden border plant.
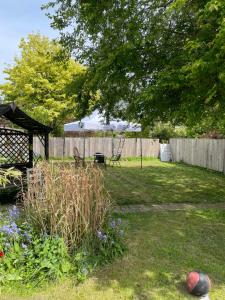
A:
(63, 226)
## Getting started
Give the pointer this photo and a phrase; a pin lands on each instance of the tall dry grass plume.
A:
(66, 201)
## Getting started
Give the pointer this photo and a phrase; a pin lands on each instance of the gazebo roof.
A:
(12, 112)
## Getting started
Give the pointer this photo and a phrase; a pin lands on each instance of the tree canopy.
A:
(205, 70)
(39, 81)
(151, 60)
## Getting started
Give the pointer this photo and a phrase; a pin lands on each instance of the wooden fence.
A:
(150, 147)
(207, 153)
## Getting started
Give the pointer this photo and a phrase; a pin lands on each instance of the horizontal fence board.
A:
(91, 145)
(206, 153)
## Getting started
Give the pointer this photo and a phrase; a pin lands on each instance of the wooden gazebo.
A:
(16, 146)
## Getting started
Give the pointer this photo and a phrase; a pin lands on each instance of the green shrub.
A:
(110, 241)
(108, 244)
(29, 258)
(7, 175)
(164, 132)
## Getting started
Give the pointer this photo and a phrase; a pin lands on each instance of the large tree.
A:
(39, 81)
(127, 45)
(153, 60)
(205, 70)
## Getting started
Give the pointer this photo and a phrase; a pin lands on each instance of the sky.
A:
(18, 18)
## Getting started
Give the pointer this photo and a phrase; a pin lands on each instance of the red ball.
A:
(198, 283)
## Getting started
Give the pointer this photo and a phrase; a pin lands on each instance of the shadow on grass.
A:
(163, 248)
(164, 183)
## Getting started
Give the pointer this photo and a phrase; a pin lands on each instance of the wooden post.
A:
(46, 146)
(64, 144)
(224, 161)
(30, 150)
(112, 144)
(84, 142)
(136, 146)
(141, 153)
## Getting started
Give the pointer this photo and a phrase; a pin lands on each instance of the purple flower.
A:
(15, 228)
(24, 246)
(14, 212)
(27, 236)
(11, 229)
(7, 230)
(101, 236)
(113, 224)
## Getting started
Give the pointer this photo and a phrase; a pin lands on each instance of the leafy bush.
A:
(107, 244)
(164, 132)
(27, 257)
(6, 175)
(110, 241)
(30, 258)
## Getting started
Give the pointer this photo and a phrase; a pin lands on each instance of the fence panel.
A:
(91, 145)
(206, 153)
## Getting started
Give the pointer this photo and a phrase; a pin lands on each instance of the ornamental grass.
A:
(65, 201)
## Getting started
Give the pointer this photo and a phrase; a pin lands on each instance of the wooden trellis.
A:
(16, 146)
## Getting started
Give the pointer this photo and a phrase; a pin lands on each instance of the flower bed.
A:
(34, 248)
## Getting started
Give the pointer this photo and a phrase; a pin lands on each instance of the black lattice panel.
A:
(14, 147)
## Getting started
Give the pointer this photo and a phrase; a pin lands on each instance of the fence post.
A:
(224, 161)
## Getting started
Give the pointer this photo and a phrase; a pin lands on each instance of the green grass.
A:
(163, 247)
(161, 182)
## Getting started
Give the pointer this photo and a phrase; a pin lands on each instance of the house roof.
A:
(12, 112)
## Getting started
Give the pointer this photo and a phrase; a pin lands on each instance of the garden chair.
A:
(115, 159)
(77, 157)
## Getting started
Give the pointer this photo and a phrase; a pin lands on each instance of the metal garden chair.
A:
(115, 159)
(79, 160)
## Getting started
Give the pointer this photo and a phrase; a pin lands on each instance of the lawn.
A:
(163, 247)
(161, 182)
